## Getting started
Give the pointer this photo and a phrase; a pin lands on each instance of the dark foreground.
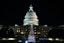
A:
(31, 42)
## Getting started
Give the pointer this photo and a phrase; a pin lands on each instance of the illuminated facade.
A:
(31, 18)
(24, 30)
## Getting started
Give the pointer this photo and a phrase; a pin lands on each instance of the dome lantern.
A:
(31, 8)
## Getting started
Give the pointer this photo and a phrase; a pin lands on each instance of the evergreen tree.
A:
(6, 32)
(11, 33)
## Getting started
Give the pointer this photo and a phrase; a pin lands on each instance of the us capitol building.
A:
(31, 28)
(31, 18)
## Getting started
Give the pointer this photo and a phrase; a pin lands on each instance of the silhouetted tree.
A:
(6, 32)
(11, 33)
(56, 33)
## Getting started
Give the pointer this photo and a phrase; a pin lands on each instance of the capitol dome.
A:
(30, 17)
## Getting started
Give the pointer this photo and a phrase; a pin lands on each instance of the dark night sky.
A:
(48, 12)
